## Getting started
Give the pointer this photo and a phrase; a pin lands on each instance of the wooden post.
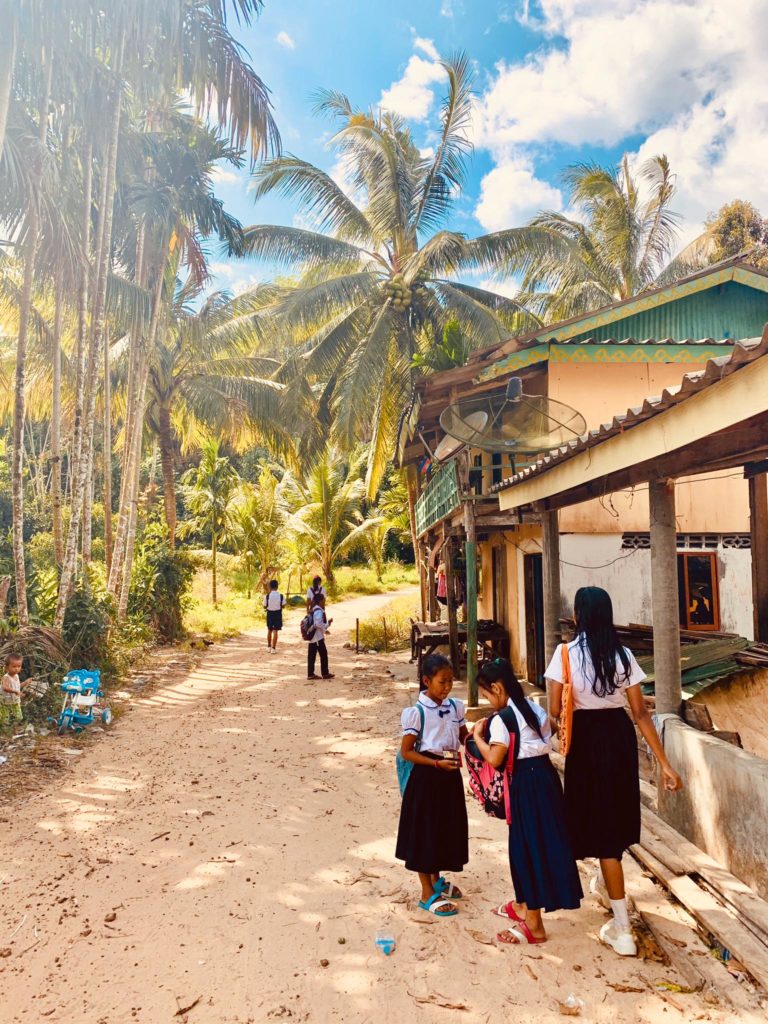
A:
(758, 531)
(471, 558)
(421, 560)
(664, 596)
(357, 636)
(431, 592)
(550, 564)
(450, 597)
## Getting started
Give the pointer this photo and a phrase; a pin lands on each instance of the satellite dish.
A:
(475, 421)
(512, 421)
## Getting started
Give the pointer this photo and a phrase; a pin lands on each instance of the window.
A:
(698, 597)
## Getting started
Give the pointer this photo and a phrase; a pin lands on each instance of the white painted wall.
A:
(597, 560)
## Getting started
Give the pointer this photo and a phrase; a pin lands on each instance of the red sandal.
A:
(507, 910)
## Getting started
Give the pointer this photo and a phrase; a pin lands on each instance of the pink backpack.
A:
(489, 785)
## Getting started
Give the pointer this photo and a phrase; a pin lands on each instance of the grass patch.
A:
(389, 629)
(355, 580)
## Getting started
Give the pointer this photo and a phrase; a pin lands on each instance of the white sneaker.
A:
(597, 888)
(621, 942)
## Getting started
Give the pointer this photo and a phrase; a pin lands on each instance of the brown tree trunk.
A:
(169, 478)
(96, 337)
(19, 396)
(58, 537)
(133, 508)
(213, 565)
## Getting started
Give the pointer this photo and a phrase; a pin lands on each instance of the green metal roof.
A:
(727, 310)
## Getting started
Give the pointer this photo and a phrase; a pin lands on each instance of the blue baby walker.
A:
(83, 700)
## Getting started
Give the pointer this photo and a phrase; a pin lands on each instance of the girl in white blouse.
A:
(602, 787)
(544, 872)
(433, 833)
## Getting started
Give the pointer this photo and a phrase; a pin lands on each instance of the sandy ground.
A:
(229, 846)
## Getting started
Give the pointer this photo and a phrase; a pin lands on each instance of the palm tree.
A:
(622, 246)
(258, 522)
(376, 277)
(200, 379)
(325, 508)
(209, 494)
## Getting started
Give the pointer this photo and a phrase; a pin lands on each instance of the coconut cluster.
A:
(401, 293)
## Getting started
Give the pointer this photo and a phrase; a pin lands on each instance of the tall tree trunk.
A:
(58, 537)
(87, 532)
(134, 354)
(96, 336)
(213, 565)
(107, 455)
(130, 541)
(7, 62)
(19, 395)
(169, 478)
(82, 312)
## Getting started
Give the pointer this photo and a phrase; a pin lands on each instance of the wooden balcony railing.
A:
(441, 497)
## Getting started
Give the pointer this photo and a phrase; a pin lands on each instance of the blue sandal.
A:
(433, 904)
(445, 888)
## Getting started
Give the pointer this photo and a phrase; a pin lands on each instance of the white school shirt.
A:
(531, 744)
(321, 625)
(311, 595)
(274, 601)
(583, 675)
(442, 723)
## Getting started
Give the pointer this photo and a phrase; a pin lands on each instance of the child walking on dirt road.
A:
(320, 626)
(274, 602)
(433, 831)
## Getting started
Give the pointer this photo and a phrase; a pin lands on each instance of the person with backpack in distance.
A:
(274, 602)
(433, 832)
(593, 675)
(314, 627)
(315, 590)
(544, 872)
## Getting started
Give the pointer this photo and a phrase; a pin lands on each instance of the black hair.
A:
(430, 666)
(316, 581)
(273, 584)
(596, 633)
(12, 656)
(501, 671)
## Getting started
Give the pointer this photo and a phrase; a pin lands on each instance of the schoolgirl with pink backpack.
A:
(507, 756)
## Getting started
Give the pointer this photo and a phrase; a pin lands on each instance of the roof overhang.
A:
(716, 420)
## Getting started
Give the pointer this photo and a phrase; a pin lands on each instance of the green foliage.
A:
(352, 580)
(388, 629)
(87, 624)
(450, 351)
(257, 520)
(160, 584)
(40, 551)
(737, 227)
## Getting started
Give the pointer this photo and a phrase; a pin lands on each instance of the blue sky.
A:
(557, 81)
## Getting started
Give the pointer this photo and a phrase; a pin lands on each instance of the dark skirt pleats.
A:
(544, 872)
(602, 785)
(433, 831)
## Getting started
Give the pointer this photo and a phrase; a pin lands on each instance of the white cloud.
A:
(412, 96)
(235, 277)
(224, 174)
(450, 8)
(511, 194)
(285, 41)
(689, 77)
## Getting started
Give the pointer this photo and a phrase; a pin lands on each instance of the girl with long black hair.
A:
(602, 782)
(544, 872)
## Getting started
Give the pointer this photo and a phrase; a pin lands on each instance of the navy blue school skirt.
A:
(275, 620)
(602, 784)
(544, 871)
(433, 834)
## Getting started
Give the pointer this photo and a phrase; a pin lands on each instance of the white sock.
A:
(621, 914)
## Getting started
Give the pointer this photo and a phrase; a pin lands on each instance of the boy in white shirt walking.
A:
(274, 602)
(316, 645)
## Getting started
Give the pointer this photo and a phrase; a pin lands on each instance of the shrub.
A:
(40, 551)
(388, 629)
(160, 584)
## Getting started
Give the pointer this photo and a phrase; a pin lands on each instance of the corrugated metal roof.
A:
(745, 351)
(593, 340)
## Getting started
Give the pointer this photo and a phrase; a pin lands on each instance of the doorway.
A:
(534, 618)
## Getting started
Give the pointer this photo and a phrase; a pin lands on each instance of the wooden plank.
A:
(727, 929)
(758, 529)
(684, 948)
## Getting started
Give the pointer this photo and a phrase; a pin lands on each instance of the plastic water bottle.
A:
(385, 941)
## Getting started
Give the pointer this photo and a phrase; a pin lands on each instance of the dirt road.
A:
(225, 854)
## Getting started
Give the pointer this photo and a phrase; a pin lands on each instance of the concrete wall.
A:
(724, 806)
(598, 560)
(739, 705)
